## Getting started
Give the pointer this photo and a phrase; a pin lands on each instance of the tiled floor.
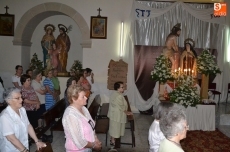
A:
(142, 124)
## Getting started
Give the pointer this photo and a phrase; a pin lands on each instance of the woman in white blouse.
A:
(15, 126)
(155, 134)
(78, 124)
(40, 91)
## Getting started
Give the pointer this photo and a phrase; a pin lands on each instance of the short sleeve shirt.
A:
(16, 78)
(37, 86)
(12, 123)
(56, 83)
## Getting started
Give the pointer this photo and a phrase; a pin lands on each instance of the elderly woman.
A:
(174, 127)
(50, 95)
(30, 100)
(72, 81)
(15, 126)
(40, 91)
(155, 134)
(78, 124)
(117, 113)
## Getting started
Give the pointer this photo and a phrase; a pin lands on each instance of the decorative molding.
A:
(22, 43)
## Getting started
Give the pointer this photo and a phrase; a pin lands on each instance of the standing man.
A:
(16, 78)
(171, 48)
(63, 43)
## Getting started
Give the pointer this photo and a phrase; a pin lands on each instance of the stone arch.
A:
(28, 22)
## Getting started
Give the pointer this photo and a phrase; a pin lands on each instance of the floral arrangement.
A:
(35, 63)
(206, 64)
(77, 66)
(162, 70)
(185, 94)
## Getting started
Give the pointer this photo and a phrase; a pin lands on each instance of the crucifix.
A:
(6, 9)
(99, 10)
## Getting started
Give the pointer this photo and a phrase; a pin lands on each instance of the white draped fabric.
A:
(201, 117)
(151, 22)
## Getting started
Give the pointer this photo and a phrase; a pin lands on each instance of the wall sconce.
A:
(121, 39)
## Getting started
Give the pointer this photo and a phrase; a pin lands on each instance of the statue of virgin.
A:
(47, 42)
(188, 59)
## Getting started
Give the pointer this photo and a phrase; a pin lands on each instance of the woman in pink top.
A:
(78, 124)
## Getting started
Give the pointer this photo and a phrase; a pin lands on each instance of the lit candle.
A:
(192, 72)
(179, 70)
(189, 71)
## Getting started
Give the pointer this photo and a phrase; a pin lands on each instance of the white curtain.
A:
(151, 22)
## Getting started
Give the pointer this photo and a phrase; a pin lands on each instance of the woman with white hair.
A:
(155, 134)
(15, 126)
(174, 127)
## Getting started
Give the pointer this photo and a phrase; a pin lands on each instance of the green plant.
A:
(162, 70)
(35, 63)
(77, 66)
(206, 64)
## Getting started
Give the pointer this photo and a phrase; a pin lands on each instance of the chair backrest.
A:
(94, 107)
(127, 100)
(56, 111)
(212, 86)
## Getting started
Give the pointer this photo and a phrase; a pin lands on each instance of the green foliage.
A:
(35, 63)
(162, 70)
(77, 66)
(206, 64)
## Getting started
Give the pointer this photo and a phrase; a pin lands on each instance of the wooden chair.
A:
(104, 110)
(95, 106)
(131, 122)
(228, 92)
(102, 123)
(212, 88)
(48, 148)
(50, 116)
(102, 127)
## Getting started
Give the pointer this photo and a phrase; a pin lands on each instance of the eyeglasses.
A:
(91, 124)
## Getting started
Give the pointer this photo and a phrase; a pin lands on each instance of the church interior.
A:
(155, 47)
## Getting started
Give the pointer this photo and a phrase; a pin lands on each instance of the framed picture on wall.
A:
(6, 25)
(98, 27)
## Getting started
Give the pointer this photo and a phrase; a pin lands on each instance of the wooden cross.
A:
(6, 9)
(99, 10)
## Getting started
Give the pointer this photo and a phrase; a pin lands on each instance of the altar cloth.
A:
(201, 117)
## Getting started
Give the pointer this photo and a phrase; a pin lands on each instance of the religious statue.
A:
(188, 59)
(47, 42)
(171, 48)
(54, 55)
(63, 42)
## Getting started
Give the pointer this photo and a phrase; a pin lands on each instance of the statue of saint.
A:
(47, 42)
(188, 59)
(54, 55)
(63, 42)
(171, 48)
